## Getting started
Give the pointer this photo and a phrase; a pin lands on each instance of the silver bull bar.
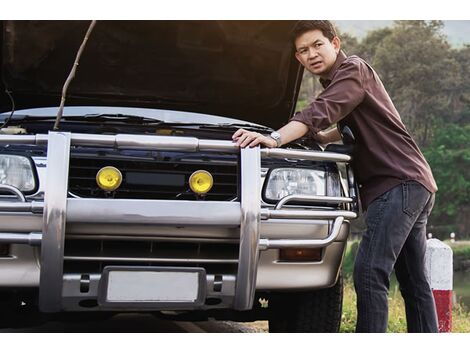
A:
(57, 209)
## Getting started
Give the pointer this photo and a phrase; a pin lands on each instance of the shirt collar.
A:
(339, 60)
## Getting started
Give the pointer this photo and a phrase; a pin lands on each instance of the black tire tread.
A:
(315, 311)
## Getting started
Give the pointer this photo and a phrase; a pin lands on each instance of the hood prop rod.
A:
(72, 75)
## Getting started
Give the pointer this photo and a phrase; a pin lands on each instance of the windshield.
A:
(168, 116)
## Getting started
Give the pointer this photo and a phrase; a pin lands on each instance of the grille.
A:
(88, 255)
(153, 175)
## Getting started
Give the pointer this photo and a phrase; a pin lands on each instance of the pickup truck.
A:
(134, 197)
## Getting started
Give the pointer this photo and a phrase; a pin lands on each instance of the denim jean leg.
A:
(388, 227)
(371, 286)
(410, 271)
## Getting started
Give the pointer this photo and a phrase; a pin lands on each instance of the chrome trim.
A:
(23, 139)
(249, 228)
(157, 142)
(153, 260)
(174, 143)
(306, 214)
(266, 243)
(33, 238)
(15, 191)
(55, 209)
(312, 199)
(153, 212)
(26, 207)
(216, 145)
(304, 154)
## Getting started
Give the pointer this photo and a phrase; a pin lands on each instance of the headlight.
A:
(17, 171)
(284, 182)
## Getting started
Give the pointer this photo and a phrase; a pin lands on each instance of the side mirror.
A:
(347, 136)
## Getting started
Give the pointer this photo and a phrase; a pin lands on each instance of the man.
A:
(396, 184)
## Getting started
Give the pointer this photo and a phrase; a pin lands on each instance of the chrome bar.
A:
(173, 143)
(312, 199)
(249, 228)
(266, 243)
(306, 214)
(17, 139)
(153, 212)
(304, 154)
(157, 142)
(23, 139)
(15, 191)
(216, 145)
(55, 209)
(93, 140)
(156, 260)
(33, 238)
(28, 207)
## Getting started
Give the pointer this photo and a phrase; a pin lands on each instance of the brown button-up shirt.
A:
(385, 154)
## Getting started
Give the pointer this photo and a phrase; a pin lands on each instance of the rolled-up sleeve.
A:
(342, 96)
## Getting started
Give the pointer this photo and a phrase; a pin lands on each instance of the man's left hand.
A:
(244, 138)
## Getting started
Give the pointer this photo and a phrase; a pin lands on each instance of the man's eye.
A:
(302, 51)
(316, 46)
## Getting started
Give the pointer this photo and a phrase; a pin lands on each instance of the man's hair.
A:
(302, 27)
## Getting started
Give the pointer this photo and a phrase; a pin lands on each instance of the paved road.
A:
(135, 323)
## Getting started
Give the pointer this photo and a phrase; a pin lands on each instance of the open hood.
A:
(239, 69)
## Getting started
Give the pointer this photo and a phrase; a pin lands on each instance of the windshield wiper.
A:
(256, 128)
(115, 117)
(91, 118)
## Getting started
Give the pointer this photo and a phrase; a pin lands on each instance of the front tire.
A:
(313, 311)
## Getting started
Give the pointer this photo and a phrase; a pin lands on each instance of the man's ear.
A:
(336, 44)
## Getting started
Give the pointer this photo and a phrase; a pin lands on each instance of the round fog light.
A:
(109, 178)
(201, 182)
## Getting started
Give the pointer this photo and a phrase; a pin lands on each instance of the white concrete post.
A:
(439, 272)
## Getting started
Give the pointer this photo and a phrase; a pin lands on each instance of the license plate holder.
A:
(152, 287)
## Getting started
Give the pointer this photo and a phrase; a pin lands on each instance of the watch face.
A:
(275, 135)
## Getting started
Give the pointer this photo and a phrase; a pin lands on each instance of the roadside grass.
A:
(397, 317)
(461, 250)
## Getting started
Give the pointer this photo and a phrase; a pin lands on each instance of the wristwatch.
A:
(277, 137)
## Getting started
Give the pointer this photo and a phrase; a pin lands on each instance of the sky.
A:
(457, 32)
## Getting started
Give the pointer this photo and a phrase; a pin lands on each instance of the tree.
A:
(449, 158)
(460, 109)
(419, 71)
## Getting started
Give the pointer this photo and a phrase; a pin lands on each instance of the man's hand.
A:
(245, 138)
(326, 137)
(320, 137)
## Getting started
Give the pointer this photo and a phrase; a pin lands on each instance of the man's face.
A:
(316, 53)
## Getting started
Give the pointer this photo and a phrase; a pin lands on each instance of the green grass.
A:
(396, 318)
(461, 250)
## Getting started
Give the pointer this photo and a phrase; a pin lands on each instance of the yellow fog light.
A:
(201, 182)
(109, 178)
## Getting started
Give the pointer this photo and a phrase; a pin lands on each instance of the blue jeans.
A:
(395, 239)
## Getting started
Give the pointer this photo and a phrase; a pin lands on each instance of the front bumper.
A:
(260, 232)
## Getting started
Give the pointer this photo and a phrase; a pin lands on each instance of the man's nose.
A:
(312, 53)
